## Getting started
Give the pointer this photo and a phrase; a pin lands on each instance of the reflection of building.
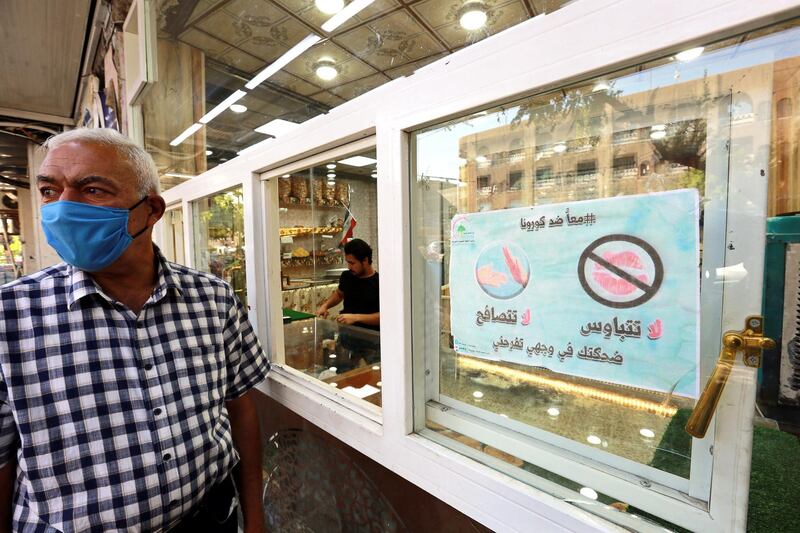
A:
(531, 165)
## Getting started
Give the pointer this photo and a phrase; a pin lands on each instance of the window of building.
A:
(515, 180)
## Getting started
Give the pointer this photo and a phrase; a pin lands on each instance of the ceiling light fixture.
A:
(284, 60)
(329, 7)
(238, 108)
(331, 174)
(276, 127)
(481, 159)
(345, 14)
(5, 155)
(177, 175)
(658, 131)
(209, 152)
(358, 161)
(222, 106)
(330, 166)
(473, 16)
(286, 176)
(560, 148)
(186, 133)
(326, 70)
(690, 54)
(586, 492)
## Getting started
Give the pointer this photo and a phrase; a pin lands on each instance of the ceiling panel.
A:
(350, 68)
(42, 45)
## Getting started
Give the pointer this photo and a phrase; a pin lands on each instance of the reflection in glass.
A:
(218, 223)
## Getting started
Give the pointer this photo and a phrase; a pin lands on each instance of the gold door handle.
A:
(750, 341)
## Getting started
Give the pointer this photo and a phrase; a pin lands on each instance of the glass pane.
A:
(330, 291)
(208, 50)
(218, 223)
(173, 247)
(679, 124)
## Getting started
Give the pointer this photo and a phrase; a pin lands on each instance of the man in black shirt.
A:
(358, 287)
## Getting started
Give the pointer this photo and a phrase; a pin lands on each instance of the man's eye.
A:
(47, 192)
(93, 191)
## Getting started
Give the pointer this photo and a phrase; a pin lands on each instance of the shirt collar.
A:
(82, 285)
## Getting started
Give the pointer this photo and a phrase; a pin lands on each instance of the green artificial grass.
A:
(775, 471)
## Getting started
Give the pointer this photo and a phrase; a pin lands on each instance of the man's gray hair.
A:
(135, 155)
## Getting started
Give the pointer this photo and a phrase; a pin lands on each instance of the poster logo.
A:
(620, 271)
(503, 270)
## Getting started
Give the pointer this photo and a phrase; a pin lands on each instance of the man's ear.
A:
(157, 207)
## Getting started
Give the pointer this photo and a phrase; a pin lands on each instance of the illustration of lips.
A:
(627, 261)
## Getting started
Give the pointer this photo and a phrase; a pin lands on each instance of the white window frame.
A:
(497, 69)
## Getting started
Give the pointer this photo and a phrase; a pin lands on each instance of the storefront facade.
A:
(669, 127)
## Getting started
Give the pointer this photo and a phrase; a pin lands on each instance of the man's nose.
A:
(69, 194)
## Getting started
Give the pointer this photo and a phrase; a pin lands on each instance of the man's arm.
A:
(247, 441)
(371, 319)
(332, 301)
(7, 475)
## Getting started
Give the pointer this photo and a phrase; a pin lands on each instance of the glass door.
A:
(582, 255)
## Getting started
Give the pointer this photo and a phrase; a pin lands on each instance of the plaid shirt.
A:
(118, 422)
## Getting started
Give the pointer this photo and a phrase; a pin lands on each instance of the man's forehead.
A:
(77, 160)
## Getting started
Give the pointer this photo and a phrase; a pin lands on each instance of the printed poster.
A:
(603, 289)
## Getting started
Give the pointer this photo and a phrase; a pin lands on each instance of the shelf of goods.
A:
(300, 231)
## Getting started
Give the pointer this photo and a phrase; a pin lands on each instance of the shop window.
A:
(514, 181)
(520, 346)
(218, 223)
(483, 183)
(329, 262)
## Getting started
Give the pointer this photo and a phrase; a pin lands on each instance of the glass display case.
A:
(321, 208)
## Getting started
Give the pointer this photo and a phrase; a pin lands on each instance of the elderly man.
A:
(125, 380)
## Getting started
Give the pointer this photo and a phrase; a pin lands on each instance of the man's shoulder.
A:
(36, 281)
(191, 278)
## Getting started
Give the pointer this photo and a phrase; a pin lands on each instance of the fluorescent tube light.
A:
(345, 14)
(186, 133)
(177, 175)
(284, 60)
(276, 127)
(358, 161)
(222, 106)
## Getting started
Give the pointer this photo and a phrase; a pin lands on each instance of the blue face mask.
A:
(89, 237)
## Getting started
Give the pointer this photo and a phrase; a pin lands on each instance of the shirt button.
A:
(157, 411)
(148, 366)
(166, 457)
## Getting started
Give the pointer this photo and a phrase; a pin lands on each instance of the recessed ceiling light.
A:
(374, 174)
(586, 492)
(276, 127)
(594, 439)
(286, 176)
(5, 155)
(553, 411)
(473, 16)
(477, 394)
(209, 152)
(331, 166)
(358, 161)
(331, 174)
(326, 70)
(238, 108)
(329, 6)
(647, 433)
(690, 54)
